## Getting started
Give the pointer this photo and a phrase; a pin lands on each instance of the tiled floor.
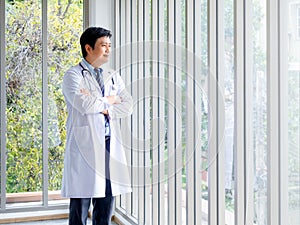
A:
(50, 222)
(47, 222)
(23, 216)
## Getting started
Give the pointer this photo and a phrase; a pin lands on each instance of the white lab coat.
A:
(84, 163)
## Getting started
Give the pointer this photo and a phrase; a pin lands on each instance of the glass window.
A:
(293, 117)
(259, 112)
(229, 109)
(298, 21)
(24, 94)
(24, 100)
(63, 52)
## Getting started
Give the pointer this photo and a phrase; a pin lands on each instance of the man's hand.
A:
(105, 112)
(113, 99)
(84, 91)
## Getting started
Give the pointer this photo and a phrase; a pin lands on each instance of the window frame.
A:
(43, 196)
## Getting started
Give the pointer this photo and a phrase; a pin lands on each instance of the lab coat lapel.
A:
(107, 76)
(91, 78)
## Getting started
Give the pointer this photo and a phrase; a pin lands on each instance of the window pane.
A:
(65, 26)
(204, 112)
(293, 113)
(24, 100)
(24, 94)
(229, 109)
(259, 112)
(298, 17)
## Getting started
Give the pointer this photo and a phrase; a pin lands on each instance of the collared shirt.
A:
(92, 70)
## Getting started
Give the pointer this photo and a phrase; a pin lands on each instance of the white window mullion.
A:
(178, 22)
(45, 100)
(190, 114)
(298, 19)
(239, 131)
(171, 115)
(140, 101)
(198, 113)
(155, 117)
(124, 57)
(3, 106)
(117, 57)
(161, 111)
(147, 56)
(220, 104)
(249, 167)
(283, 124)
(212, 120)
(117, 35)
(273, 112)
(86, 14)
(136, 113)
(128, 79)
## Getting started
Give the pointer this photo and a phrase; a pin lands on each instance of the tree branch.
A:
(67, 8)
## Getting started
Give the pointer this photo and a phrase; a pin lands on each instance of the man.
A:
(95, 166)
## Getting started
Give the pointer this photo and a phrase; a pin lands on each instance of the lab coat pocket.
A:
(83, 138)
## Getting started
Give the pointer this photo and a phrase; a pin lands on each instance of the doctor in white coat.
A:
(95, 167)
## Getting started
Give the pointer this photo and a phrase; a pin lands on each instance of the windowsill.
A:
(119, 219)
(16, 203)
(7, 218)
(33, 200)
(31, 197)
(16, 217)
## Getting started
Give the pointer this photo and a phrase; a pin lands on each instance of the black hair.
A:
(90, 36)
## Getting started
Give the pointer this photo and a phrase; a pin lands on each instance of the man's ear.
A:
(88, 48)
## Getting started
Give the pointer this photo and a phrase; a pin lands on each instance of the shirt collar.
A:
(90, 67)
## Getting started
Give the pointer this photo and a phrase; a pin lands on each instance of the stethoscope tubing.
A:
(83, 69)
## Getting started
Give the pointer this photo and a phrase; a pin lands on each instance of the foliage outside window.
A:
(24, 88)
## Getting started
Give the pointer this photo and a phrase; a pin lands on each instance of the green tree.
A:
(24, 88)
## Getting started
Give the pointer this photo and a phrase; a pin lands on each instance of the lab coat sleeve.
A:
(85, 104)
(124, 108)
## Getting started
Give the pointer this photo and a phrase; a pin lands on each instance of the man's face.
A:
(100, 54)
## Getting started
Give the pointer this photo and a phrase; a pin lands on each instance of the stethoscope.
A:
(85, 70)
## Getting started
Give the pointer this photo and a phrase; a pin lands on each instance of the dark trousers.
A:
(102, 207)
